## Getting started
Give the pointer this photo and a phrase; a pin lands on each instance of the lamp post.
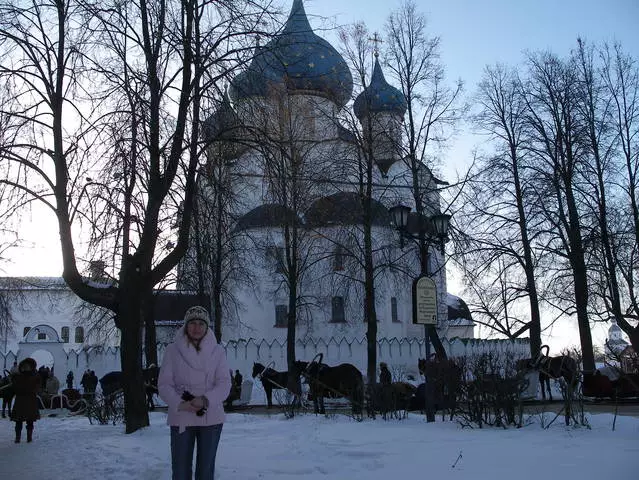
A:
(433, 229)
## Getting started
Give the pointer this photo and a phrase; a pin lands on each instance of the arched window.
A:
(65, 334)
(79, 335)
(394, 315)
(275, 258)
(338, 258)
(338, 310)
(281, 316)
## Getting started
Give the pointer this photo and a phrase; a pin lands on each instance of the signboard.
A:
(424, 301)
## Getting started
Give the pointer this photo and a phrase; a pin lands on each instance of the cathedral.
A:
(283, 189)
(280, 221)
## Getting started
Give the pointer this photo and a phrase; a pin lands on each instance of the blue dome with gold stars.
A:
(298, 58)
(379, 96)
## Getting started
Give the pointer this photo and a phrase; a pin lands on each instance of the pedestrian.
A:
(194, 382)
(25, 406)
(385, 377)
(85, 382)
(42, 371)
(14, 369)
(70, 379)
(237, 380)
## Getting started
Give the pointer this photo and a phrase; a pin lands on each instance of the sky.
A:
(473, 33)
(270, 447)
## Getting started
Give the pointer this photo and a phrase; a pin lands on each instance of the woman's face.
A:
(196, 329)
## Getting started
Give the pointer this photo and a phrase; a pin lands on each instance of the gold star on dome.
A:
(311, 65)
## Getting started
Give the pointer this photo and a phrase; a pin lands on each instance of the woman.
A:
(25, 407)
(194, 381)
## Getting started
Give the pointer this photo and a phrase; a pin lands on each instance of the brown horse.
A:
(343, 380)
(560, 367)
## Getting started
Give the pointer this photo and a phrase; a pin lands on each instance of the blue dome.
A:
(220, 125)
(302, 60)
(224, 128)
(256, 80)
(379, 96)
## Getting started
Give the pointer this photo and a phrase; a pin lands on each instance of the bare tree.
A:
(82, 71)
(358, 51)
(620, 76)
(283, 132)
(500, 256)
(560, 163)
(217, 263)
(433, 110)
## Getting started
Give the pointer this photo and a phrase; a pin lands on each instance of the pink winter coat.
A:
(201, 373)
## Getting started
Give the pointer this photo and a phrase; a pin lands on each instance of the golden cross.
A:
(376, 39)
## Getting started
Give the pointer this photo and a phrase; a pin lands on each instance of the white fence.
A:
(399, 354)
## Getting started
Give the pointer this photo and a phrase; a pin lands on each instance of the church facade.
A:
(283, 189)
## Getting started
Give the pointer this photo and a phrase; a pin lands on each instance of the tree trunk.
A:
(371, 330)
(150, 337)
(633, 336)
(129, 318)
(135, 407)
(217, 311)
(291, 329)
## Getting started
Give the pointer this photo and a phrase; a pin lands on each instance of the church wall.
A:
(56, 308)
(257, 315)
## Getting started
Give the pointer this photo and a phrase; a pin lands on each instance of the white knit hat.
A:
(197, 313)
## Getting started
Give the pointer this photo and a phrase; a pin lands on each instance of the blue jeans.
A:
(182, 452)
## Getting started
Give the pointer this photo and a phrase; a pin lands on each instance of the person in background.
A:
(44, 374)
(385, 377)
(14, 369)
(237, 380)
(194, 382)
(25, 407)
(70, 379)
(86, 381)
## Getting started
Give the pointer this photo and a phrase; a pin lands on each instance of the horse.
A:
(443, 382)
(112, 382)
(562, 366)
(271, 379)
(7, 392)
(394, 398)
(343, 380)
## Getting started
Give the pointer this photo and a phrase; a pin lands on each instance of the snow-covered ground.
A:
(269, 447)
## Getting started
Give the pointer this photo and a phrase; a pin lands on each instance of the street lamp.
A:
(429, 230)
(433, 229)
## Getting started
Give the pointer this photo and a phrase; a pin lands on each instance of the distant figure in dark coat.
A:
(25, 408)
(237, 380)
(385, 377)
(86, 381)
(70, 379)
(44, 374)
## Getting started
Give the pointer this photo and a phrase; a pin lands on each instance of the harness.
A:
(260, 376)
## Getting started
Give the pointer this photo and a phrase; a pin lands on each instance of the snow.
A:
(269, 447)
